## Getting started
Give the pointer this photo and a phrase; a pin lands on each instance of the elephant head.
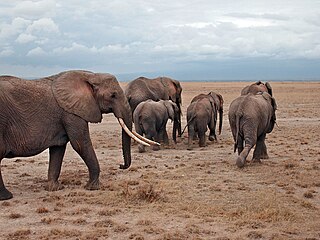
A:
(89, 95)
(174, 114)
(257, 87)
(174, 90)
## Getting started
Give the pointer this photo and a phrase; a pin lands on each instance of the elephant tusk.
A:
(145, 139)
(126, 129)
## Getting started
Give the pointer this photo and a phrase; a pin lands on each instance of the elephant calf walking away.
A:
(251, 117)
(202, 113)
(151, 117)
(50, 112)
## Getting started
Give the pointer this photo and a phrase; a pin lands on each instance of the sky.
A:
(182, 39)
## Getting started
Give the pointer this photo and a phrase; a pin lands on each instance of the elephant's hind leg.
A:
(260, 151)
(241, 159)
(4, 193)
(55, 162)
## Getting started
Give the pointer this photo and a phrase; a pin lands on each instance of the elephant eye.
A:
(113, 95)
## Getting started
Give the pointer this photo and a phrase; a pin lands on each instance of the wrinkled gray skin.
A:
(50, 112)
(151, 117)
(217, 99)
(201, 113)
(251, 117)
(257, 87)
(161, 88)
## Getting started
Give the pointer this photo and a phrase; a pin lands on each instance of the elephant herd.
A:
(47, 113)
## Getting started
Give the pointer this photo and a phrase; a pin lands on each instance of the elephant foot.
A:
(54, 186)
(141, 149)
(189, 148)
(240, 162)
(264, 156)
(156, 148)
(5, 194)
(213, 138)
(202, 145)
(95, 185)
(255, 160)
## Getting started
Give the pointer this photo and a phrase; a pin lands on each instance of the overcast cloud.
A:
(194, 39)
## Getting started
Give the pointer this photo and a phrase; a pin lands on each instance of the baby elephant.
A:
(251, 117)
(151, 117)
(202, 113)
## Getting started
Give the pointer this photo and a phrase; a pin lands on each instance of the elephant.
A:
(251, 117)
(201, 113)
(257, 87)
(151, 117)
(50, 112)
(161, 88)
(218, 102)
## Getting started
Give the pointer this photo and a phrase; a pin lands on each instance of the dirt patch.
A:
(175, 193)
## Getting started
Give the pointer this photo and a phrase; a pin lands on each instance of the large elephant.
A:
(251, 117)
(161, 88)
(48, 113)
(201, 114)
(257, 87)
(218, 103)
(151, 117)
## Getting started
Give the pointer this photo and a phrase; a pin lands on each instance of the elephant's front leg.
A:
(55, 161)
(81, 143)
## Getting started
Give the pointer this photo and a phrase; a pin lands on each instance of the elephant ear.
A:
(73, 91)
(174, 89)
(268, 97)
(170, 108)
(269, 88)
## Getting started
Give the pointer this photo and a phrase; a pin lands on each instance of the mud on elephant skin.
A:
(251, 117)
(50, 112)
(161, 88)
(151, 117)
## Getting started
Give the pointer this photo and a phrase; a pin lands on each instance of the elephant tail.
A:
(238, 117)
(190, 120)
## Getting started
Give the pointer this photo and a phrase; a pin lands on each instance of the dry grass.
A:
(175, 193)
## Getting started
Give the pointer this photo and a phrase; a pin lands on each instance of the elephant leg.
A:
(81, 143)
(4, 192)
(141, 147)
(55, 161)
(241, 159)
(164, 135)
(191, 135)
(157, 137)
(212, 128)
(260, 151)
(240, 144)
(202, 138)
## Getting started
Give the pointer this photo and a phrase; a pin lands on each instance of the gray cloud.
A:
(145, 36)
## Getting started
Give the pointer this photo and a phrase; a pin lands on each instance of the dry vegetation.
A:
(178, 194)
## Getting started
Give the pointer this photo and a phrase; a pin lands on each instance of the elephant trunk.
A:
(177, 122)
(126, 116)
(220, 119)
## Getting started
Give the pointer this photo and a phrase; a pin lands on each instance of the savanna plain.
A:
(175, 193)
